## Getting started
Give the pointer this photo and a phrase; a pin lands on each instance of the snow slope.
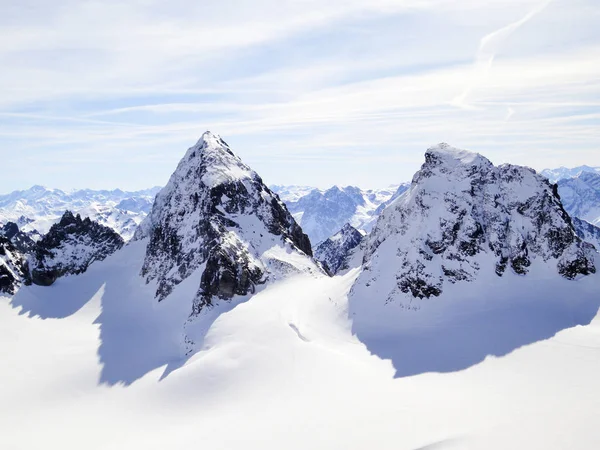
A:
(280, 371)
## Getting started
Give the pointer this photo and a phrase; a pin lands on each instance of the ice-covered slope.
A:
(555, 175)
(217, 217)
(581, 196)
(322, 213)
(38, 208)
(336, 252)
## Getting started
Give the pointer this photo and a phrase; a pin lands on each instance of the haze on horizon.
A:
(111, 94)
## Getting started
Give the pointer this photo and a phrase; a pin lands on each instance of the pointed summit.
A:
(216, 216)
(336, 252)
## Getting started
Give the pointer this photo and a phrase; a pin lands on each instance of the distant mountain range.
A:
(320, 212)
(36, 209)
(562, 173)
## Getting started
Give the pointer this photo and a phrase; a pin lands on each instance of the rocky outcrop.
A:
(20, 240)
(587, 232)
(70, 247)
(13, 267)
(216, 215)
(334, 253)
(461, 215)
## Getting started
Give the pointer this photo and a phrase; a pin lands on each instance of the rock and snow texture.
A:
(20, 240)
(555, 175)
(463, 215)
(70, 247)
(581, 196)
(216, 216)
(336, 252)
(13, 267)
(322, 213)
(587, 232)
(38, 208)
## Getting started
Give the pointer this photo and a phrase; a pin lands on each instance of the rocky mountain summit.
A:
(70, 247)
(463, 215)
(334, 253)
(216, 215)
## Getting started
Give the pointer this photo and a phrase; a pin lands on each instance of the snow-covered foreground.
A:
(282, 371)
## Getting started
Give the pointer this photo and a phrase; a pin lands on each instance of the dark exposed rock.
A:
(462, 210)
(334, 252)
(216, 213)
(13, 267)
(70, 247)
(21, 241)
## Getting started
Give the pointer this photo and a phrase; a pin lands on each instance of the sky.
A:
(107, 94)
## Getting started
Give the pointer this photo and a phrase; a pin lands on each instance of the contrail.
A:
(488, 47)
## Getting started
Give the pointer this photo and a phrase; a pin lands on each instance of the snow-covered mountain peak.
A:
(462, 214)
(337, 252)
(216, 216)
(447, 159)
(219, 164)
(71, 245)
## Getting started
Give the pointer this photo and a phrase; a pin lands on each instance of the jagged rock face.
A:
(334, 253)
(322, 213)
(581, 196)
(21, 241)
(13, 267)
(587, 232)
(462, 213)
(217, 213)
(70, 247)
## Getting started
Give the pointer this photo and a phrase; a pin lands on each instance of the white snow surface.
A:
(95, 362)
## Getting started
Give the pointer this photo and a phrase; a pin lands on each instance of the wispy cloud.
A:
(308, 92)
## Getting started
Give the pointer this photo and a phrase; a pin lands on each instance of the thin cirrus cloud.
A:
(110, 94)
